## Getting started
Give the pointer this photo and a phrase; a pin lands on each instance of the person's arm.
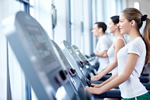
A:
(103, 47)
(105, 82)
(130, 64)
(104, 72)
(118, 45)
(101, 54)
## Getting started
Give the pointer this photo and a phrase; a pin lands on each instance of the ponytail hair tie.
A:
(144, 17)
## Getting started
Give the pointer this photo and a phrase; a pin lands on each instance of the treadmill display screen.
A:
(63, 58)
(39, 44)
(80, 55)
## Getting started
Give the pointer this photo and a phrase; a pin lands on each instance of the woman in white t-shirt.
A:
(118, 43)
(131, 58)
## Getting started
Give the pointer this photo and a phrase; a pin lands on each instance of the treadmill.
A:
(82, 79)
(75, 60)
(77, 78)
(83, 59)
(86, 62)
(40, 62)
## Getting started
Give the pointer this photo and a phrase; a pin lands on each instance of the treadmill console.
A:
(78, 52)
(37, 57)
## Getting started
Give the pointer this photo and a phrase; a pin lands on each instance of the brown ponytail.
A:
(147, 40)
(134, 14)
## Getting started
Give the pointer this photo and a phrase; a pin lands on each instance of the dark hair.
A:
(115, 19)
(134, 14)
(101, 25)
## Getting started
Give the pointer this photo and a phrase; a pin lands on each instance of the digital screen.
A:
(39, 44)
(70, 51)
(77, 53)
(63, 58)
(80, 55)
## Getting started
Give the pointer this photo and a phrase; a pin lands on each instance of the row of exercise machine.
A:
(54, 72)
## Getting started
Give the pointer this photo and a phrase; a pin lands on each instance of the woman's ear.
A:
(132, 23)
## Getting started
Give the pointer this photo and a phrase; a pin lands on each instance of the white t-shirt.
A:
(103, 44)
(111, 54)
(132, 87)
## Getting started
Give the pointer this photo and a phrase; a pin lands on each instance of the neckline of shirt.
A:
(132, 41)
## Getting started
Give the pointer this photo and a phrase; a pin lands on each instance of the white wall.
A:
(77, 17)
(61, 29)
(87, 26)
(42, 13)
(144, 8)
(144, 5)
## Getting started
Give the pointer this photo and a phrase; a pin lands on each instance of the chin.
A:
(122, 33)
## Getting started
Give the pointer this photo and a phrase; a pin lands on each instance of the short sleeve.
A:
(136, 48)
(104, 45)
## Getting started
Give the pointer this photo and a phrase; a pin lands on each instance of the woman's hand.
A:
(96, 85)
(93, 90)
(96, 77)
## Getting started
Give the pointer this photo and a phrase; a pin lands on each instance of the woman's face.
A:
(111, 26)
(124, 24)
